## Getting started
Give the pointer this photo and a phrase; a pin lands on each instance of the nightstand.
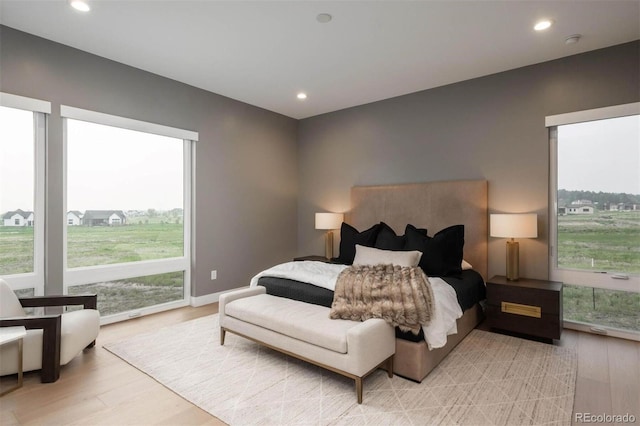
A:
(313, 257)
(527, 306)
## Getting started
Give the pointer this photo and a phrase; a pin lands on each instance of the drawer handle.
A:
(525, 310)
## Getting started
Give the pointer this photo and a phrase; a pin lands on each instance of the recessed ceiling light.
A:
(542, 25)
(302, 95)
(80, 5)
(323, 18)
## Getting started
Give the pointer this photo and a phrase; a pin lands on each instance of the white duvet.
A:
(446, 307)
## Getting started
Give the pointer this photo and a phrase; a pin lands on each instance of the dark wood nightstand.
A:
(313, 257)
(527, 306)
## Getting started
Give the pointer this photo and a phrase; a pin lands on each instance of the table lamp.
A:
(329, 222)
(513, 226)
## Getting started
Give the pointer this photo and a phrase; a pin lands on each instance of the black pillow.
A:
(442, 253)
(423, 231)
(388, 240)
(349, 237)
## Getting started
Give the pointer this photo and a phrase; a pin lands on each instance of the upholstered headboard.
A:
(432, 205)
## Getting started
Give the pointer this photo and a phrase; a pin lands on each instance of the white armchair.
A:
(51, 340)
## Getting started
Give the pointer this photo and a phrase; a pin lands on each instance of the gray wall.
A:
(487, 128)
(258, 173)
(246, 166)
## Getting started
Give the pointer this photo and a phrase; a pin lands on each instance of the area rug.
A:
(488, 379)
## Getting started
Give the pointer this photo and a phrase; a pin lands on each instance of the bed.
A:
(435, 206)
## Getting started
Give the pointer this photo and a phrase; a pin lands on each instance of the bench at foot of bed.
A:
(305, 331)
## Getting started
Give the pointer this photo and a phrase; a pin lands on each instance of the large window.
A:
(22, 142)
(128, 207)
(596, 217)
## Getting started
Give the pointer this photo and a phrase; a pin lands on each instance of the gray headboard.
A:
(432, 205)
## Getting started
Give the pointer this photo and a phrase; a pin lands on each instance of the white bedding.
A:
(446, 307)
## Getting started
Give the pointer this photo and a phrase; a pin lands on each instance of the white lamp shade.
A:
(514, 225)
(329, 220)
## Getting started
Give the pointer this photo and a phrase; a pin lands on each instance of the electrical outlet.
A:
(214, 275)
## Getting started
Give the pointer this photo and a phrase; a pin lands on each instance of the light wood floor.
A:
(99, 388)
(608, 379)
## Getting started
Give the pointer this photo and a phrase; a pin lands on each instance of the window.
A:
(595, 221)
(22, 142)
(130, 182)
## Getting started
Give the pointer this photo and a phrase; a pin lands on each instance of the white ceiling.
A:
(265, 52)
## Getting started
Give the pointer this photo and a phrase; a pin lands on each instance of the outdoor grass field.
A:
(617, 309)
(134, 293)
(603, 241)
(102, 245)
(610, 241)
(16, 250)
(94, 245)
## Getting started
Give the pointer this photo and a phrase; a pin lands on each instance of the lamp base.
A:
(513, 260)
(328, 245)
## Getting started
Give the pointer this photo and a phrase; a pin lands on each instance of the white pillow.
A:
(466, 265)
(374, 256)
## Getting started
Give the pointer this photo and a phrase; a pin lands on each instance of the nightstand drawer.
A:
(547, 301)
(518, 309)
(547, 326)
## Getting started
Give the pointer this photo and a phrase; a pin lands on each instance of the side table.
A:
(9, 335)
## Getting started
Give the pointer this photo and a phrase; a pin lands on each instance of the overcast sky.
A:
(107, 168)
(600, 156)
(116, 169)
(16, 159)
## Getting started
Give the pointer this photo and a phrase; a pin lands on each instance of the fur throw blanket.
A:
(400, 295)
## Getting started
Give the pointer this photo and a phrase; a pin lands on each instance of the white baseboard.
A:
(209, 298)
(604, 331)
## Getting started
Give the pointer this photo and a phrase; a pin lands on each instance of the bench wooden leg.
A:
(390, 367)
(359, 389)
(223, 332)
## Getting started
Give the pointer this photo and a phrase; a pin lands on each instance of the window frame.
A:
(41, 111)
(91, 274)
(601, 279)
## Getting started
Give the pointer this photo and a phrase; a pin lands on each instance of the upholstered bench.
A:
(305, 331)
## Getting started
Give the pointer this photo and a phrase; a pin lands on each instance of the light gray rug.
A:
(489, 379)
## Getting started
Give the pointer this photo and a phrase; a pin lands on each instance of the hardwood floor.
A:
(97, 388)
(608, 379)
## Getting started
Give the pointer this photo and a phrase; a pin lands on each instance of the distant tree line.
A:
(600, 199)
